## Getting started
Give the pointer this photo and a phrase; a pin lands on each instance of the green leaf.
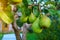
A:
(50, 2)
(36, 11)
(29, 2)
(45, 10)
(52, 11)
(58, 12)
(52, 6)
(27, 12)
(31, 36)
(25, 3)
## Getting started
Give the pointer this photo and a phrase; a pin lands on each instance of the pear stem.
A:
(39, 8)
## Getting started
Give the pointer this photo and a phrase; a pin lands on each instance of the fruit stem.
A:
(39, 8)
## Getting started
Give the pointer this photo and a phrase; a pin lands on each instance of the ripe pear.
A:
(32, 18)
(17, 1)
(35, 26)
(45, 21)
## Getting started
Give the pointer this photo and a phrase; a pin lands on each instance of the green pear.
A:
(45, 21)
(32, 18)
(35, 26)
(23, 18)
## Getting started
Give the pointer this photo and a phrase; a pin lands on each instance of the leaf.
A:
(36, 11)
(29, 2)
(53, 6)
(45, 10)
(52, 11)
(33, 37)
(27, 11)
(50, 2)
(25, 3)
(58, 13)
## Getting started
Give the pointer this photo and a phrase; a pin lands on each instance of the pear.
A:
(35, 26)
(45, 21)
(23, 19)
(32, 18)
(16, 1)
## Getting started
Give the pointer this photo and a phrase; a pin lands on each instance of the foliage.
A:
(1, 35)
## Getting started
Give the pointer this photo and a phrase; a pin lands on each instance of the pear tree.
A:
(35, 16)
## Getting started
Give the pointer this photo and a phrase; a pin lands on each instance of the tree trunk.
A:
(17, 33)
(25, 26)
(14, 26)
(24, 32)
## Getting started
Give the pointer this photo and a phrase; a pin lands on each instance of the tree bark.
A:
(15, 28)
(25, 26)
(24, 32)
(14, 25)
(17, 33)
